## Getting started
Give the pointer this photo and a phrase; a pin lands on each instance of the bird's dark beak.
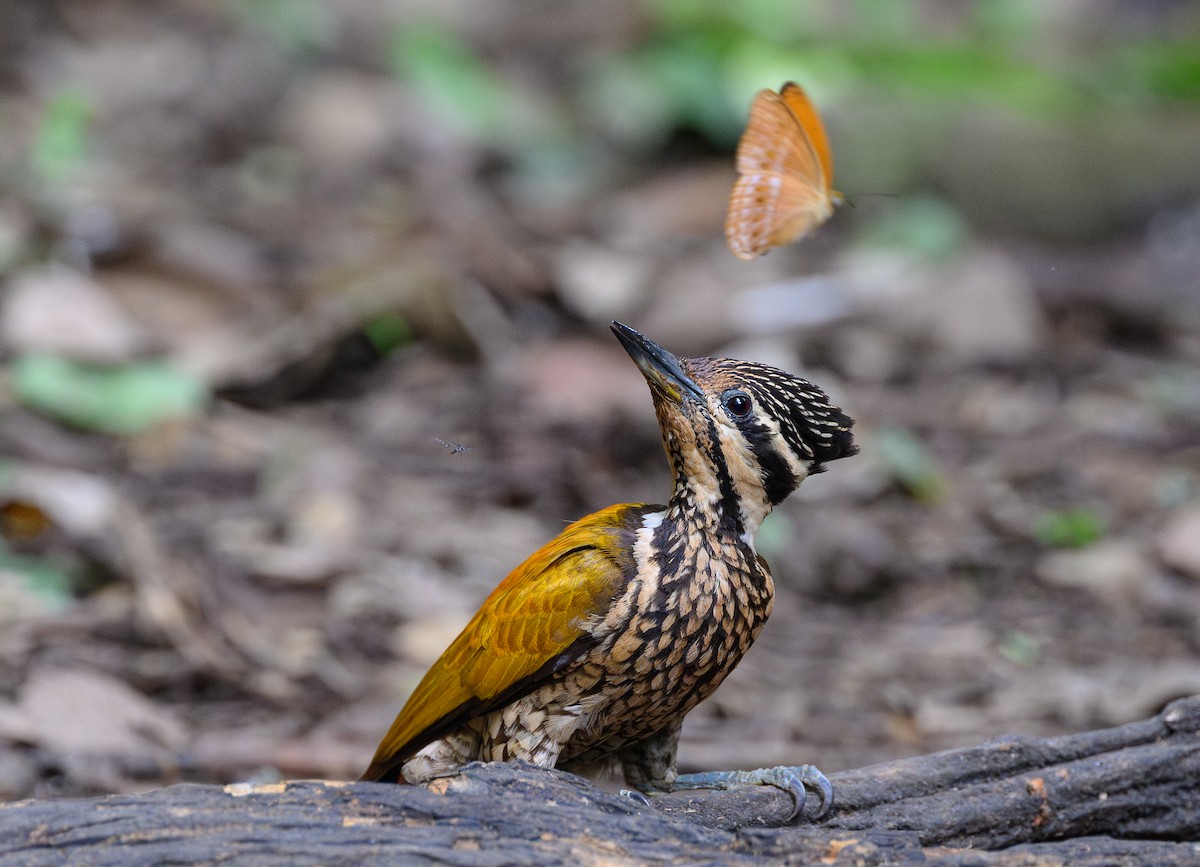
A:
(661, 369)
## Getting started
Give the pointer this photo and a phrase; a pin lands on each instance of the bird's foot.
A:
(795, 780)
(635, 796)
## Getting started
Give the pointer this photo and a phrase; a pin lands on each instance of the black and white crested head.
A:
(794, 409)
(775, 429)
(741, 436)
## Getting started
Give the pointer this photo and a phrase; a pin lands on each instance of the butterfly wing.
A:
(784, 167)
(769, 209)
(775, 139)
(802, 109)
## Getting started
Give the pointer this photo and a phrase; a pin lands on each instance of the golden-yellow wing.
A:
(530, 626)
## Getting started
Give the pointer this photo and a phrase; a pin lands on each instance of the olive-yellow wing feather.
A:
(531, 625)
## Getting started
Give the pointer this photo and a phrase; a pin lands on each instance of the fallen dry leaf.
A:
(90, 713)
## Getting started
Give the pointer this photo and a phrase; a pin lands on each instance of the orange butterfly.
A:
(784, 174)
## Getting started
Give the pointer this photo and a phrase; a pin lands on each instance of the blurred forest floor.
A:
(304, 345)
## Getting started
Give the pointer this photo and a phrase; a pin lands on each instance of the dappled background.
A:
(304, 345)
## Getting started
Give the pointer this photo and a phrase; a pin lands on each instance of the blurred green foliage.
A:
(912, 91)
(998, 51)
(694, 65)
(909, 463)
(118, 399)
(700, 62)
(41, 577)
(1019, 648)
(297, 27)
(923, 225)
(387, 331)
(61, 144)
(1158, 70)
(471, 97)
(1070, 528)
(464, 91)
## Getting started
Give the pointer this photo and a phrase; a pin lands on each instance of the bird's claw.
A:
(796, 780)
(635, 796)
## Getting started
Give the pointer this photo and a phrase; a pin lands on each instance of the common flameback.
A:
(589, 654)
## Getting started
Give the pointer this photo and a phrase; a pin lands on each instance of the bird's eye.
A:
(739, 404)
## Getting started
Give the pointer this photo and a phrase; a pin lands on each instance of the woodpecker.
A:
(589, 654)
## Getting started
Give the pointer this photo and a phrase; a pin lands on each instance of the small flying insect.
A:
(455, 448)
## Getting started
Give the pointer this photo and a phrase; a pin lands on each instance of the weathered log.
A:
(1126, 795)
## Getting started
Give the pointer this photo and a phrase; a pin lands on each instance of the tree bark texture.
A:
(1126, 795)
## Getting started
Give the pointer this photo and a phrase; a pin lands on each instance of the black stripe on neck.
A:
(730, 505)
(778, 480)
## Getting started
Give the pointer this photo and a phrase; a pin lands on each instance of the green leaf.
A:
(61, 143)
(119, 399)
(1019, 648)
(39, 578)
(1070, 528)
(387, 331)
